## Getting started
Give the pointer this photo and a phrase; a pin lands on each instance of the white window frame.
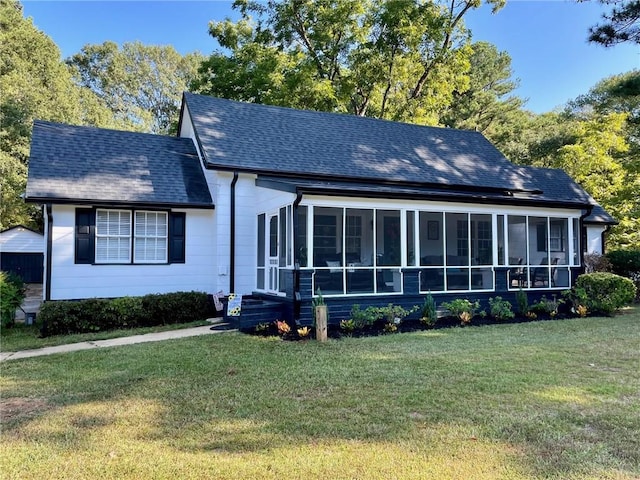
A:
(150, 236)
(112, 235)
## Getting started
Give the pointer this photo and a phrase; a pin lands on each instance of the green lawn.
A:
(540, 400)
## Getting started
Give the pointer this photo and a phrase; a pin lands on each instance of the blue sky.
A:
(545, 39)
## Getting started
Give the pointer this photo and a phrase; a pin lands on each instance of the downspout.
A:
(232, 234)
(603, 237)
(47, 290)
(296, 263)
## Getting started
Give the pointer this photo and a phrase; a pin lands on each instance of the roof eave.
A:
(119, 203)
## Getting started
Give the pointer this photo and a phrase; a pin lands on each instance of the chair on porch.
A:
(517, 275)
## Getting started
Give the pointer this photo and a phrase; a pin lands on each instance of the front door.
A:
(272, 263)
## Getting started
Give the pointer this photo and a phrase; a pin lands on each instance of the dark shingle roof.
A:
(277, 140)
(86, 164)
(329, 147)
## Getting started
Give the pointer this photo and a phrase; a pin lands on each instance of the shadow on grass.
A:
(566, 403)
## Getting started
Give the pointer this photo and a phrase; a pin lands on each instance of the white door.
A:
(272, 260)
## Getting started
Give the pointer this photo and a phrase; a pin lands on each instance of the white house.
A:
(278, 203)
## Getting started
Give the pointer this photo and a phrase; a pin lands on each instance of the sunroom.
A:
(372, 247)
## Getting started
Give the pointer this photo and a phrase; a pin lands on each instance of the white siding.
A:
(594, 239)
(71, 281)
(21, 240)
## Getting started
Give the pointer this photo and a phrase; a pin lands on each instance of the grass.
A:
(540, 400)
(26, 337)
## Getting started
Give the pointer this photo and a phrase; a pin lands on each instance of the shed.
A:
(22, 253)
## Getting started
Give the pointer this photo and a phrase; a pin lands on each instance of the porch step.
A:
(255, 311)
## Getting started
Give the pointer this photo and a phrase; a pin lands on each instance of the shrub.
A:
(606, 292)
(548, 306)
(348, 326)
(394, 313)
(12, 293)
(429, 312)
(594, 262)
(626, 263)
(500, 309)
(464, 309)
(364, 318)
(93, 315)
(576, 300)
(523, 302)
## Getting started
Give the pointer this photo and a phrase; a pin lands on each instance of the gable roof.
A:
(71, 164)
(276, 140)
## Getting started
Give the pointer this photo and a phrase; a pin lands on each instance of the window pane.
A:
(431, 238)
(457, 226)
(559, 240)
(517, 239)
(411, 238)
(289, 234)
(302, 253)
(113, 236)
(481, 279)
(283, 238)
(359, 237)
(481, 240)
(150, 243)
(432, 279)
(388, 245)
(457, 279)
(327, 236)
(273, 236)
(500, 220)
(576, 241)
(538, 239)
(359, 280)
(388, 280)
(261, 242)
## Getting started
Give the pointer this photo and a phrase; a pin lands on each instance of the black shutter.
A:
(85, 235)
(177, 237)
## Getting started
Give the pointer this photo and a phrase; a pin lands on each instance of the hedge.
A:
(627, 264)
(93, 315)
(606, 292)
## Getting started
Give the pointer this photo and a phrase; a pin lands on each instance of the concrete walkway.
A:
(115, 342)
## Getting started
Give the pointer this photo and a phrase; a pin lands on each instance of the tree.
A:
(486, 101)
(395, 59)
(619, 94)
(620, 25)
(141, 84)
(34, 83)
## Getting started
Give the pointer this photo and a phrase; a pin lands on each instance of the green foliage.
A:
(12, 293)
(500, 309)
(576, 299)
(606, 292)
(546, 306)
(34, 83)
(428, 312)
(487, 101)
(364, 318)
(348, 326)
(463, 309)
(523, 301)
(317, 301)
(141, 84)
(93, 315)
(620, 25)
(626, 263)
(400, 60)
